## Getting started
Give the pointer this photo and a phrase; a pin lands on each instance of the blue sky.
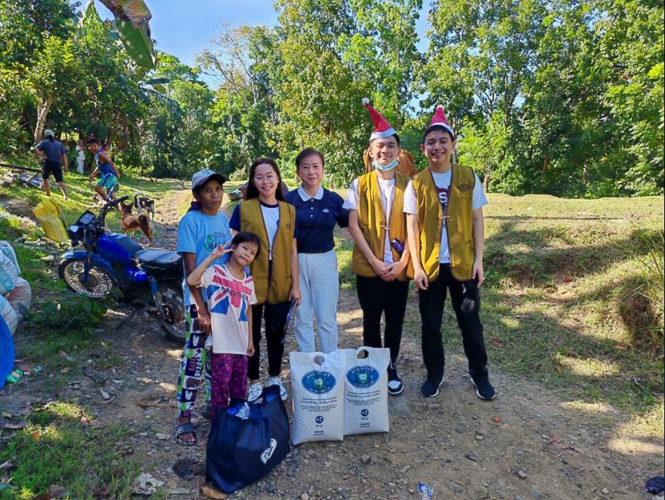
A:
(184, 28)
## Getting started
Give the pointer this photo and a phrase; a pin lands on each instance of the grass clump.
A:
(62, 446)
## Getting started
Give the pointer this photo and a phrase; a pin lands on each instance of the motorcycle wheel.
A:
(173, 321)
(99, 283)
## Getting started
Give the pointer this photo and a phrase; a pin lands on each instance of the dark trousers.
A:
(465, 297)
(275, 321)
(376, 297)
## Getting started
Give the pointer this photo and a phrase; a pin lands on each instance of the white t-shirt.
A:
(442, 183)
(229, 301)
(387, 188)
(271, 220)
(81, 152)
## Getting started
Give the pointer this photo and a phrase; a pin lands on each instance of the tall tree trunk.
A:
(43, 106)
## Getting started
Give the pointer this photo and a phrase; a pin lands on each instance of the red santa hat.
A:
(439, 120)
(382, 128)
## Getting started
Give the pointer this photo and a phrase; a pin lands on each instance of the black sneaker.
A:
(395, 385)
(484, 389)
(430, 389)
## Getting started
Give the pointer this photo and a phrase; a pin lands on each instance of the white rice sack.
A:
(8, 314)
(8, 274)
(21, 297)
(318, 396)
(366, 391)
(8, 250)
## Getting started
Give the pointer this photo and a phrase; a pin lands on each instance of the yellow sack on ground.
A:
(49, 215)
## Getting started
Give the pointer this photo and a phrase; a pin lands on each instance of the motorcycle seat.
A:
(159, 258)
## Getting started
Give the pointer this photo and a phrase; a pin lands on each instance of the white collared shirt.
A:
(305, 197)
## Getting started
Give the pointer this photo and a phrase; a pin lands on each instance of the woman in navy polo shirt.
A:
(318, 210)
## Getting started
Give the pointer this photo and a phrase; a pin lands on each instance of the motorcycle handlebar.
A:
(109, 204)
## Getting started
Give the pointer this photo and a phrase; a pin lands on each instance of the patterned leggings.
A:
(229, 379)
(194, 366)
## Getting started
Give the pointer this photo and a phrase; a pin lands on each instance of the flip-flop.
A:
(180, 429)
(15, 376)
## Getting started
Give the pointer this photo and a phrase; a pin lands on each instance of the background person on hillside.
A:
(318, 211)
(275, 270)
(80, 157)
(105, 166)
(200, 231)
(231, 295)
(446, 236)
(380, 255)
(54, 157)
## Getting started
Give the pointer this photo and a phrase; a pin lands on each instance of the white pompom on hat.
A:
(439, 120)
(382, 128)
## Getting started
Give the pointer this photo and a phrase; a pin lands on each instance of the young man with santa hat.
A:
(377, 224)
(445, 227)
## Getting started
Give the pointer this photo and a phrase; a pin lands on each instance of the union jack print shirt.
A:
(229, 302)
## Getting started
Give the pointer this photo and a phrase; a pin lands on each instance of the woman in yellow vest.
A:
(275, 272)
(446, 233)
(380, 255)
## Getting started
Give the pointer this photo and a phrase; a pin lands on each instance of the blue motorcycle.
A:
(149, 281)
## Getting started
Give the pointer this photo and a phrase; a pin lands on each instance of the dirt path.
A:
(527, 444)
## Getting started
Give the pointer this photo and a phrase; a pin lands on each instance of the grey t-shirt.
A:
(54, 150)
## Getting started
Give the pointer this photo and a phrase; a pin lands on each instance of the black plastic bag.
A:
(244, 448)
(656, 485)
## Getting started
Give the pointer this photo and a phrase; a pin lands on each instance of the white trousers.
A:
(80, 162)
(319, 287)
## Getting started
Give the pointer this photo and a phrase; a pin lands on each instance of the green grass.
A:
(570, 302)
(61, 446)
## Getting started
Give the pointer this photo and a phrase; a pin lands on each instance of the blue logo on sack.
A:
(318, 382)
(362, 377)
(365, 413)
(319, 419)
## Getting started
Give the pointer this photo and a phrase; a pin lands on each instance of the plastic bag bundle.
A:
(20, 297)
(9, 252)
(9, 315)
(8, 274)
(50, 217)
(366, 391)
(247, 442)
(318, 396)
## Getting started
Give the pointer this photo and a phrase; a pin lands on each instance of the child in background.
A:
(104, 166)
(230, 294)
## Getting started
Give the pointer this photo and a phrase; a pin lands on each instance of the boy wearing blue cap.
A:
(200, 231)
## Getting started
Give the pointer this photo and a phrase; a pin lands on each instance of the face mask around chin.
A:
(384, 168)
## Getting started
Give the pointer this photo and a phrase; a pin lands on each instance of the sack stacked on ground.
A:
(366, 391)
(8, 251)
(339, 394)
(15, 292)
(8, 315)
(8, 274)
(318, 396)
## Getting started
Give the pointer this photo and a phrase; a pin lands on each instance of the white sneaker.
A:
(255, 391)
(282, 390)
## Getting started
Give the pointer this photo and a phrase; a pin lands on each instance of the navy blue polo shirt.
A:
(316, 218)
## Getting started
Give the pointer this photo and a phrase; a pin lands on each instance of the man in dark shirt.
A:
(54, 157)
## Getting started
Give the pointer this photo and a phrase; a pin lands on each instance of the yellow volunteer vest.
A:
(459, 227)
(372, 222)
(272, 287)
